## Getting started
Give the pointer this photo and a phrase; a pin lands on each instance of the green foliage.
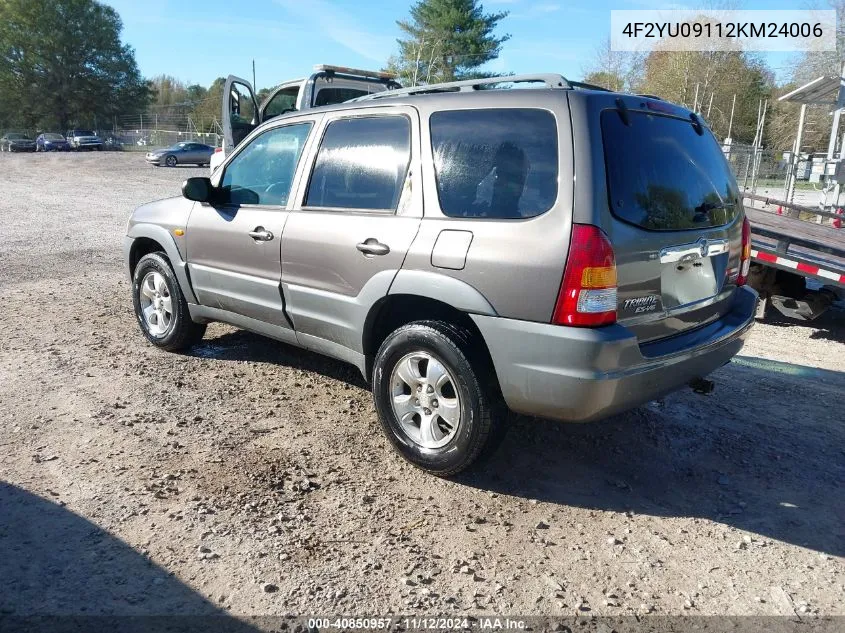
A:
(446, 40)
(62, 64)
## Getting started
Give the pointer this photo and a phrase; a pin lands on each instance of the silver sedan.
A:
(186, 153)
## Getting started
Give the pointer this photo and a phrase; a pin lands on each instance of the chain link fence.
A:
(145, 132)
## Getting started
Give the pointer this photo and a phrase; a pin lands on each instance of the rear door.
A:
(355, 219)
(240, 111)
(672, 210)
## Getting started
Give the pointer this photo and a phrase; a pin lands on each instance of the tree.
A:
(208, 109)
(619, 71)
(446, 40)
(805, 67)
(707, 81)
(62, 63)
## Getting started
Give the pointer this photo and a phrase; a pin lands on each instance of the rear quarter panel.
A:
(517, 265)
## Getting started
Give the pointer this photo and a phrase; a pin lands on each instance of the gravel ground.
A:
(250, 477)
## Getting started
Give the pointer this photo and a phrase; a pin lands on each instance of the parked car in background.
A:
(84, 139)
(437, 239)
(16, 142)
(185, 153)
(327, 85)
(51, 142)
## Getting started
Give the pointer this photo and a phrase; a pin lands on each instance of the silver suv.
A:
(565, 251)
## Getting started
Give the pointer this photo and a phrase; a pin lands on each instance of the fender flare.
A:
(449, 290)
(163, 237)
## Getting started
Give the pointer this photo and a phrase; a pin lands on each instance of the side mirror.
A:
(198, 189)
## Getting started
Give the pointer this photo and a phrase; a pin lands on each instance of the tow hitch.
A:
(702, 386)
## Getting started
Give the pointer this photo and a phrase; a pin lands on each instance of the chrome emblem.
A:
(641, 304)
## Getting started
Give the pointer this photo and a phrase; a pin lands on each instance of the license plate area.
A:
(692, 272)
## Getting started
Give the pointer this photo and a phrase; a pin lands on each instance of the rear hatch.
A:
(667, 199)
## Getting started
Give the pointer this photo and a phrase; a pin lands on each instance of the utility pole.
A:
(254, 85)
(731, 123)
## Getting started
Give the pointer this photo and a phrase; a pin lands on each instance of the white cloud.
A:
(328, 20)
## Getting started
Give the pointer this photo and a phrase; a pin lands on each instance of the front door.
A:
(234, 255)
(240, 112)
(353, 223)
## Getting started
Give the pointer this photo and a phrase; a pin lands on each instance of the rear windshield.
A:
(496, 163)
(83, 133)
(662, 175)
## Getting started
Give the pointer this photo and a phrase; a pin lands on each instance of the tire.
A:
(175, 332)
(445, 449)
(171, 161)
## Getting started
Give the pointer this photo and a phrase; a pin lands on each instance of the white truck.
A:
(327, 85)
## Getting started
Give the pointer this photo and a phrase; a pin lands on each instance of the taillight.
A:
(745, 254)
(217, 150)
(587, 294)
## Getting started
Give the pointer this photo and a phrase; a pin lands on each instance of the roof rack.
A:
(585, 86)
(551, 81)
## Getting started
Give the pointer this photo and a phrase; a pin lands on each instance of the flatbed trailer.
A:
(787, 250)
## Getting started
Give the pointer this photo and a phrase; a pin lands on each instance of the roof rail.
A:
(551, 81)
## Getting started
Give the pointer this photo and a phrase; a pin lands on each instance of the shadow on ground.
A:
(829, 326)
(61, 572)
(764, 453)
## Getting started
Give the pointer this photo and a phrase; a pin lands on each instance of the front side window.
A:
(262, 173)
(362, 164)
(496, 163)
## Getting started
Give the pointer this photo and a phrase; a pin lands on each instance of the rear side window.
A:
(361, 164)
(496, 163)
(663, 176)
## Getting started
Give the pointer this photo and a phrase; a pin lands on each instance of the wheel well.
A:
(140, 247)
(394, 311)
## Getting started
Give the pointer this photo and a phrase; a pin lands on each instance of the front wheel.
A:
(436, 398)
(170, 161)
(160, 306)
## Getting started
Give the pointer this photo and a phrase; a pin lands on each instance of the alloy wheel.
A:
(424, 397)
(156, 303)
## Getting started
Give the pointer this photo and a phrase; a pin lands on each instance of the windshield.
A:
(662, 175)
(83, 133)
(54, 137)
(15, 136)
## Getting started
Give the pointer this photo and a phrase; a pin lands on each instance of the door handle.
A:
(260, 234)
(372, 246)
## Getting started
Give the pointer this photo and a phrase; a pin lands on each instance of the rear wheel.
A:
(435, 397)
(170, 161)
(160, 306)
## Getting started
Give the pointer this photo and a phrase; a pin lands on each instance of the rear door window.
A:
(495, 163)
(662, 175)
(361, 164)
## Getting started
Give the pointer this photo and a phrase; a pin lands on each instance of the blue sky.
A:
(199, 40)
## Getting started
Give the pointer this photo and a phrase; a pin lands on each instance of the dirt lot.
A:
(250, 476)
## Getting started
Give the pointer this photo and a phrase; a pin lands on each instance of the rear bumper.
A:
(581, 374)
